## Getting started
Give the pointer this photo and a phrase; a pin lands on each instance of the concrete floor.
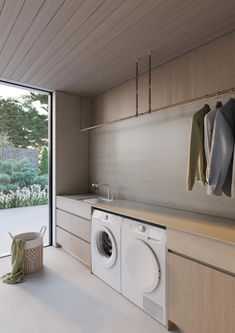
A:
(65, 298)
(23, 219)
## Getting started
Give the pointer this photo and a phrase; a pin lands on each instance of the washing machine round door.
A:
(106, 246)
(143, 266)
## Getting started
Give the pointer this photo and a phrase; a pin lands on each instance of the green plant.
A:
(27, 196)
(25, 178)
(43, 167)
(4, 178)
(5, 141)
(8, 166)
(14, 174)
(41, 180)
(23, 124)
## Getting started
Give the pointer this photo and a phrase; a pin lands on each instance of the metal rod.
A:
(80, 114)
(150, 79)
(137, 87)
(108, 123)
(162, 108)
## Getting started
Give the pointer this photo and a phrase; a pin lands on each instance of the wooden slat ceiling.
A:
(89, 46)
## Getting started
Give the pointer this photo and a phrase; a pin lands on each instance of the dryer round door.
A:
(106, 246)
(143, 266)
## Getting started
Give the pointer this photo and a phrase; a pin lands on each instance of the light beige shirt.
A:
(197, 157)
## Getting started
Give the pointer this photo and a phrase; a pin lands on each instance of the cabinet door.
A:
(199, 299)
(74, 224)
(74, 207)
(74, 245)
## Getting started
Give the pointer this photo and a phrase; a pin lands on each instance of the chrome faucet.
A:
(97, 185)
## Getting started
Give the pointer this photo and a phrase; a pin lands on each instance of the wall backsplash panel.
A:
(145, 159)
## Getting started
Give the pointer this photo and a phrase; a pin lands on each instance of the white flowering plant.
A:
(33, 195)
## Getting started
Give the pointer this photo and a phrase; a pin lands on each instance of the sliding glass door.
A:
(24, 163)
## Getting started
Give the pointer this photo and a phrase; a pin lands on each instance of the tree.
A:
(5, 141)
(43, 167)
(42, 98)
(22, 123)
(36, 97)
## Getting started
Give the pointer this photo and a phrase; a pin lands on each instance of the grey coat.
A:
(209, 121)
(222, 150)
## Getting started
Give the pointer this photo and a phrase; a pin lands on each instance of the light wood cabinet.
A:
(206, 250)
(74, 245)
(200, 299)
(73, 228)
(74, 207)
(74, 224)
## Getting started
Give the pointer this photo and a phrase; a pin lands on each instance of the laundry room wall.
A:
(145, 159)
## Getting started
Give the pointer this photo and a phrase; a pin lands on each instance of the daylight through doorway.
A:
(24, 163)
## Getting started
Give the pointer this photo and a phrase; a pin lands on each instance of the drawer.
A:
(74, 224)
(209, 251)
(74, 207)
(74, 245)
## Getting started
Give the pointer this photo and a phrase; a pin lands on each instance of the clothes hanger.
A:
(218, 103)
(232, 91)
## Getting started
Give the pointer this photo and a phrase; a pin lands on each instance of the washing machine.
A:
(106, 247)
(143, 267)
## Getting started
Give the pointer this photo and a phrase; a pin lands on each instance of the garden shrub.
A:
(43, 167)
(23, 164)
(41, 180)
(27, 196)
(25, 178)
(4, 178)
(3, 188)
(12, 187)
(16, 174)
(20, 184)
(8, 166)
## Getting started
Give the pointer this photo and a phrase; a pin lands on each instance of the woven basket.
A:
(33, 250)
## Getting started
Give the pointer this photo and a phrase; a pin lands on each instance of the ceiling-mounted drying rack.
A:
(137, 114)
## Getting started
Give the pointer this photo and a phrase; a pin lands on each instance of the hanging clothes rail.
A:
(137, 114)
(150, 80)
(192, 100)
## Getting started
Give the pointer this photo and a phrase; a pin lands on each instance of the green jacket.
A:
(197, 158)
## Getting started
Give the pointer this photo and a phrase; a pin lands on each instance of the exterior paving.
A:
(19, 220)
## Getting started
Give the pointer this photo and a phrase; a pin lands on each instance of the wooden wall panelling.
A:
(153, 36)
(28, 62)
(9, 14)
(71, 146)
(89, 16)
(44, 17)
(145, 159)
(100, 39)
(21, 25)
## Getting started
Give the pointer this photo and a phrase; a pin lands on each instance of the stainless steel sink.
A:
(97, 200)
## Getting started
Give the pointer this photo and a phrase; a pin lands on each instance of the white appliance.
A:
(143, 267)
(105, 247)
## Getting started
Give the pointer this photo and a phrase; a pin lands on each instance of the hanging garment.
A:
(197, 158)
(17, 261)
(208, 132)
(222, 150)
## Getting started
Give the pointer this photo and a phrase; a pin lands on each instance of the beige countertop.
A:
(218, 228)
